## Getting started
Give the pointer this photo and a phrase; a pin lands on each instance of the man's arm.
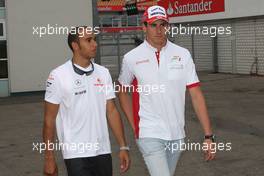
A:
(125, 81)
(50, 113)
(126, 105)
(200, 108)
(116, 125)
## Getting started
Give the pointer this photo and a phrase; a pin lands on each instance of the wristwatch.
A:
(212, 137)
(124, 148)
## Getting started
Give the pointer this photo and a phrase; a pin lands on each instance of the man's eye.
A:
(153, 25)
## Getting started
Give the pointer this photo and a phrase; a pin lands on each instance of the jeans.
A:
(159, 157)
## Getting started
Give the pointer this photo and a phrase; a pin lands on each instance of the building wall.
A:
(2, 13)
(31, 57)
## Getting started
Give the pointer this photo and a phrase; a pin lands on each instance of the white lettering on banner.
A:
(192, 7)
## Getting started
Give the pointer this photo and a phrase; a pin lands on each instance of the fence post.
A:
(215, 55)
(118, 53)
(193, 52)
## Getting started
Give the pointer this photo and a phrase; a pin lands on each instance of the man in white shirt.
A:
(80, 100)
(157, 117)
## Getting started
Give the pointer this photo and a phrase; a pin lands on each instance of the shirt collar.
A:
(89, 68)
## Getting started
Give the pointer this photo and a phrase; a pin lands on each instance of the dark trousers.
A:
(100, 165)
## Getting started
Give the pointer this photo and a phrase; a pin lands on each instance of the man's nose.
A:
(94, 43)
(158, 29)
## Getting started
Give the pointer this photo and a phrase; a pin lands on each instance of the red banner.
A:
(141, 5)
(192, 7)
(110, 8)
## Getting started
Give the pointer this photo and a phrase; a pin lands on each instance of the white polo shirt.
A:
(81, 121)
(161, 113)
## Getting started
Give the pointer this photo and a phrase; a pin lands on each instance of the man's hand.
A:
(124, 160)
(210, 150)
(50, 167)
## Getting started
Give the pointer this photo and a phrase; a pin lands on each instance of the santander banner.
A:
(192, 7)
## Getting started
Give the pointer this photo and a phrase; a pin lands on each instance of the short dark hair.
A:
(74, 36)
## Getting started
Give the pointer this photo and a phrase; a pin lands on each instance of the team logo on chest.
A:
(78, 82)
(79, 87)
(176, 63)
(99, 82)
(176, 59)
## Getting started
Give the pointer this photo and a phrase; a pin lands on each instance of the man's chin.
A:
(160, 42)
(93, 55)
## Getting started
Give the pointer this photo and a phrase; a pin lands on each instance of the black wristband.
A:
(211, 137)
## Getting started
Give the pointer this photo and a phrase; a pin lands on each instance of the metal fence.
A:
(113, 46)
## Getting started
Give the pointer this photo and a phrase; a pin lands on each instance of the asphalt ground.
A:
(235, 104)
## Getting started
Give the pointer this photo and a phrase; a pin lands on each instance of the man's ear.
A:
(144, 27)
(75, 46)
